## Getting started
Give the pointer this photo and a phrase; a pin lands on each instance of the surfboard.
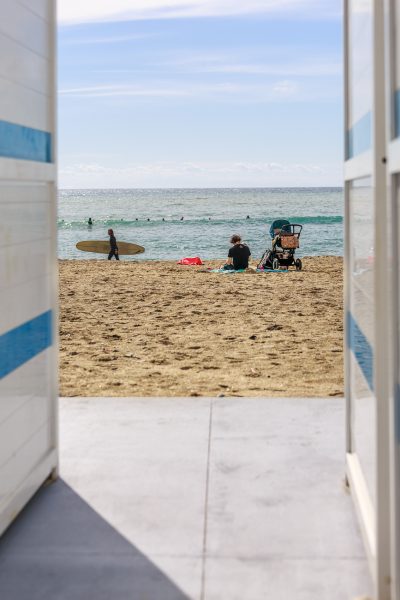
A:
(103, 247)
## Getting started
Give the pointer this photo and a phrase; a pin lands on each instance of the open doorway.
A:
(178, 129)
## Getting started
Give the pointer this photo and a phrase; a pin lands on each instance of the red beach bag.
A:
(195, 260)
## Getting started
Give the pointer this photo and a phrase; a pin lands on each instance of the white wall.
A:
(28, 271)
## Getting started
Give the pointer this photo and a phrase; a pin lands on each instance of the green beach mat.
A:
(230, 271)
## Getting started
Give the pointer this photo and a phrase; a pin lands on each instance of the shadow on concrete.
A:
(61, 549)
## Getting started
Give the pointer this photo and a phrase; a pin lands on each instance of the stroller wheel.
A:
(298, 264)
(275, 264)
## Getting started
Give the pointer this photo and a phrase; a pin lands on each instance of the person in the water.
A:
(113, 246)
(90, 222)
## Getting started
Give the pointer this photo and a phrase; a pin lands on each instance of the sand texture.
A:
(156, 328)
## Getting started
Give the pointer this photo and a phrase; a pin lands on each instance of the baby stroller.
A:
(285, 240)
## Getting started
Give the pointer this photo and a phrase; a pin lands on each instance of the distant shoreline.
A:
(138, 189)
(174, 261)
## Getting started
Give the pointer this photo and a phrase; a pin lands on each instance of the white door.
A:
(392, 39)
(366, 281)
(28, 270)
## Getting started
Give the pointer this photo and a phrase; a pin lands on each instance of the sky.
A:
(199, 93)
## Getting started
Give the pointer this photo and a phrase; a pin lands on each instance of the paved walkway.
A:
(192, 498)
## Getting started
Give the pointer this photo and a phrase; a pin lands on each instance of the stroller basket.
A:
(289, 241)
(289, 237)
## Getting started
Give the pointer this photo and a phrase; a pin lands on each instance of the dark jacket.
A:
(113, 243)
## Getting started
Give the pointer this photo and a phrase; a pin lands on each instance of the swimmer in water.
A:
(90, 222)
(181, 218)
(248, 217)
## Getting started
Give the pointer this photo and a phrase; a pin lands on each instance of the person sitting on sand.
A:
(238, 255)
(113, 246)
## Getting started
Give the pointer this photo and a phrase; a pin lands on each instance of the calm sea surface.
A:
(210, 216)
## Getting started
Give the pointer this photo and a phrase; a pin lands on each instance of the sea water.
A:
(174, 223)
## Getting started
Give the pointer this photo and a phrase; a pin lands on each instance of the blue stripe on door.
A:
(24, 143)
(22, 343)
(397, 113)
(397, 414)
(359, 137)
(362, 349)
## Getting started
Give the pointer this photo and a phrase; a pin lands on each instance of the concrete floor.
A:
(191, 498)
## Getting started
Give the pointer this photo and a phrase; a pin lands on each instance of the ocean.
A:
(153, 219)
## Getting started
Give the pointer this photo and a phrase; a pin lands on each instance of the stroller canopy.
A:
(277, 224)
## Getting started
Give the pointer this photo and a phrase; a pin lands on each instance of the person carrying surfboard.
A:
(113, 246)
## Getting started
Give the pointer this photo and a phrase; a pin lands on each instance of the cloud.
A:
(199, 174)
(272, 60)
(173, 168)
(104, 91)
(219, 65)
(78, 11)
(285, 88)
(302, 69)
(233, 92)
(107, 40)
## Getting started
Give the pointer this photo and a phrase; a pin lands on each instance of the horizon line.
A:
(235, 187)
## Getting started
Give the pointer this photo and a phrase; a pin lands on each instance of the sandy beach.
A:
(159, 329)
